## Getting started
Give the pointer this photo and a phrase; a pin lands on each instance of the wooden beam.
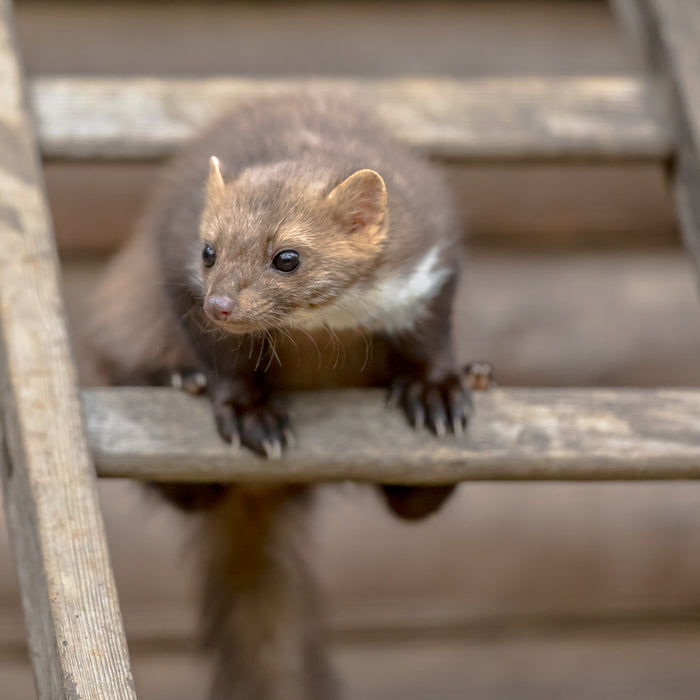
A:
(678, 26)
(76, 637)
(481, 120)
(517, 434)
(634, 18)
(668, 31)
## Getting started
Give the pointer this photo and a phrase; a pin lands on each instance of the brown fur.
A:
(264, 629)
(128, 345)
(313, 174)
(320, 228)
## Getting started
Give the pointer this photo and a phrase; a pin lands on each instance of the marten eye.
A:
(286, 260)
(208, 256)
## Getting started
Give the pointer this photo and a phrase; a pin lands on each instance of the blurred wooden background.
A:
(573, 276)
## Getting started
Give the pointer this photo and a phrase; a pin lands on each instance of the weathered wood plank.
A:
(490, 119)
(678, 27)
(634, 18)
(556, 434)
(75, 631)
(668, 31)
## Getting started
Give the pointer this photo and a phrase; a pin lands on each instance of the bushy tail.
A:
(258, 602)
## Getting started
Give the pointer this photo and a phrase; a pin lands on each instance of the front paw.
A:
(189, 379)
(264, 428)
(441, 406)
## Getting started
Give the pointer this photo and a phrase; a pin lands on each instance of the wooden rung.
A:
(76, 638)
(490, 119)
(517, 434)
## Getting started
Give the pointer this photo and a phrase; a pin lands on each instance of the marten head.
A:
(278, 247)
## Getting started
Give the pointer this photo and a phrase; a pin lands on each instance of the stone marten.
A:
(295, 242)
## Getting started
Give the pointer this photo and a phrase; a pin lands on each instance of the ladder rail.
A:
(667, 33)
(76, 636)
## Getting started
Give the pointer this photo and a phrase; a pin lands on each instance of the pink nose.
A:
(219, 308)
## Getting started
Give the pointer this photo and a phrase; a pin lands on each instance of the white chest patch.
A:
(392, 305)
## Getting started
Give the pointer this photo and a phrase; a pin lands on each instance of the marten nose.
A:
(219, 308)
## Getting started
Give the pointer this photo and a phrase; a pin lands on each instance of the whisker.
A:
(293, 343)
(368, 338)
(260, 353)
(273, 351)
(315, 344)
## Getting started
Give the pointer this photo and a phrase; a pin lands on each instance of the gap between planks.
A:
(166, 629)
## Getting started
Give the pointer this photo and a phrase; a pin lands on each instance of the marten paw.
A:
(441, 406)
(265, 428)
(189, 380)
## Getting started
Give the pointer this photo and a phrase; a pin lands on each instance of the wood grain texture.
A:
(547, 434)
(490, 119)
(675, 35)
(76, 636)
(668, 32)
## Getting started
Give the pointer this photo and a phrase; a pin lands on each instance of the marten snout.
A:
(219, 308)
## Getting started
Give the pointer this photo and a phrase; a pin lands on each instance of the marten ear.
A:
(214, 192)
(215, 181)
(359, 203)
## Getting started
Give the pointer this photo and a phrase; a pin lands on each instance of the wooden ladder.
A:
(55, 438)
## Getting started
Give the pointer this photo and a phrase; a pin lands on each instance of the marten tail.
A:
(258, 604)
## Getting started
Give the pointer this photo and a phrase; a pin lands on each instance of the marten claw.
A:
(439, 427)
(264, 429)
(459, 407)
(227, 424)
(393, 399)
(289, 437)
(273, 448)
(437, 405)
(435, 408)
